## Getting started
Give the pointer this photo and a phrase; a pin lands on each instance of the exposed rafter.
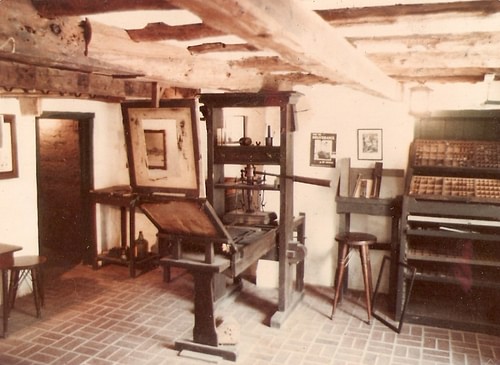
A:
(221, 47)
(278, 43)
(56, 8)
(299, 36)
(112, 46)
(162, 31)
(31, 80)
(265, 26)
(393, 13)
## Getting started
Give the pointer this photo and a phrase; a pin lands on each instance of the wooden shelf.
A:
(447, 279)
(438, 257)
(455, 235)
(370, 206)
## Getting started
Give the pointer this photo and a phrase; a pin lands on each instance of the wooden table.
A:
(6, 262)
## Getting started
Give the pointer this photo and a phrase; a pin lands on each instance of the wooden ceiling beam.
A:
(299, 36)
(172, 65)
(463, 57)
(112, 46)
(266, 64)
(444, 74)
(477, 41)
(450, 60)
(59, 62)
(424, 25)
(393, 13)
(49, 81)
(56, 8)
(221, 47)
(58, 43)
(162, 31)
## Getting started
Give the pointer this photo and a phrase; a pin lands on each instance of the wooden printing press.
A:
(164, 164)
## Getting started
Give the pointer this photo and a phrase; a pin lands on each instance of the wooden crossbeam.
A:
(299, 36)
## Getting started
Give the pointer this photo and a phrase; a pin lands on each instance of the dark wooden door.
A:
(64, 179)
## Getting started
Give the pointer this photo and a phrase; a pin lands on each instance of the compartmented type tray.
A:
(478, 154)
(455, 187)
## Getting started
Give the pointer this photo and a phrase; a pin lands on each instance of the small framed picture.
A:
(156, 148)
(370, 144)
(323, 149)
(8, 147)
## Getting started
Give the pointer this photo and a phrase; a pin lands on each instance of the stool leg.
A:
(342, 263)
(367, 277)
(5, 301)
(41, 292)
(14, 283)
(36, 291)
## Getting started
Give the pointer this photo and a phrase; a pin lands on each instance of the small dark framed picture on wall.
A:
(8, 147)
(370, 144)
(323, 149)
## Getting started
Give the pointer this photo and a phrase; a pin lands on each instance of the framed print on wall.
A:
(8, 147)
(370, 144)
(323, 149)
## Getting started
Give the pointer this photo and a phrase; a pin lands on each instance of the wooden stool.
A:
(348, 240)
(23, 267)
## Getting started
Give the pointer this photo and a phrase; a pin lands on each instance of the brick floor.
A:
(104, 317)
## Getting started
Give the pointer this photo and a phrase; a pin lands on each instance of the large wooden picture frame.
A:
(8, 147)
(162, 146)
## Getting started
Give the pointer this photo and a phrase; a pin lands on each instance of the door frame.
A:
(86, 146)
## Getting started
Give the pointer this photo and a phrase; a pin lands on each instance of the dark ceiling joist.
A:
(221, 47)
(162, 31)
(47, 81)
(83, 65)
(266, 64)
(433, 41)
(390, 14)
(55, 8)
(444, 74)
(163, 63)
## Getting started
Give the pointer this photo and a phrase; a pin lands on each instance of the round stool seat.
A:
(27, 262)
(356, 238)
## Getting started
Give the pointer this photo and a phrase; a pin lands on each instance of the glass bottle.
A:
(141, 247)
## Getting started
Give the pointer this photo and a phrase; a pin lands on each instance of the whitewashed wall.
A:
(18, 196)
(333, 109)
